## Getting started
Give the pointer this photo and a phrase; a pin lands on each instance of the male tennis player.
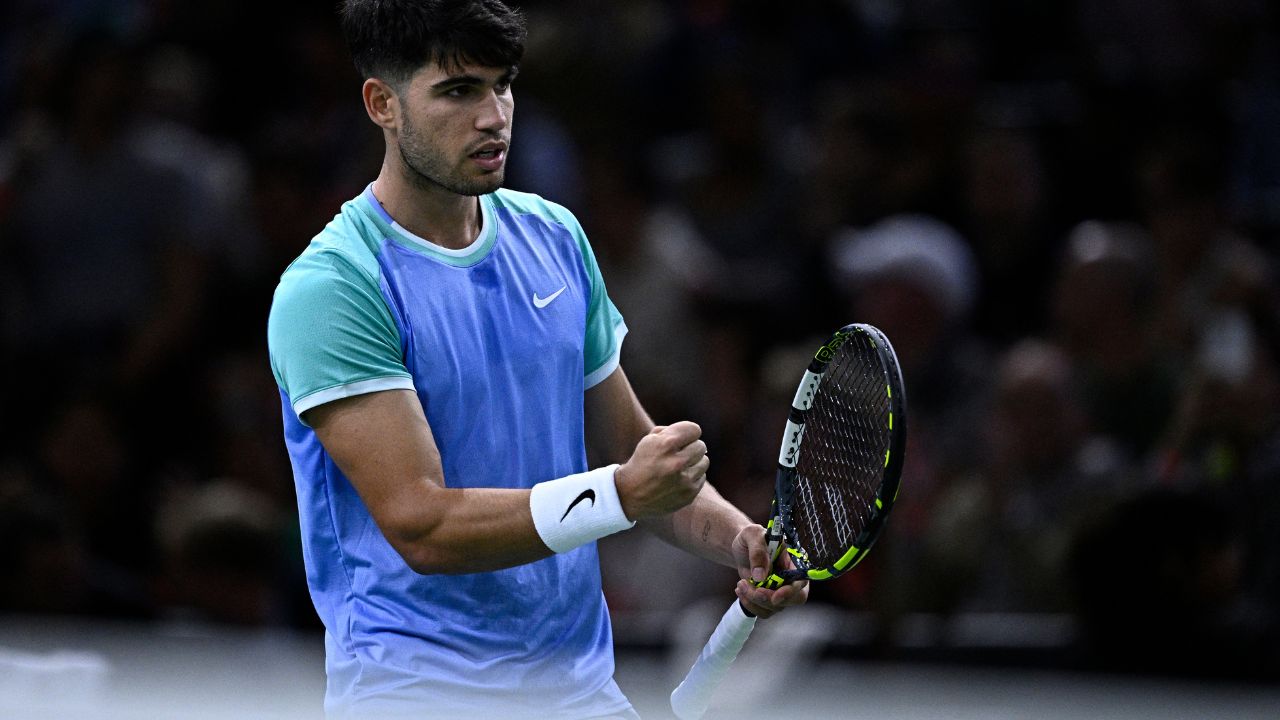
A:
(437, 347)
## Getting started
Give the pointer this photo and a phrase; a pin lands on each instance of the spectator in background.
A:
(1104, 317)
(854, 175)
(112, 280)
(224, 548)
(43, 563)
(151, 187)
(243, 422)
(88, 469)
(168, 133)
(73, 537)
(1000, 532)
(1203, 264)
(111, 277)
(1224, 437)
(1162, 587)
(1254, 180)
(915, 278)
(1006, 216)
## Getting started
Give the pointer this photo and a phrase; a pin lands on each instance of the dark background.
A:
(1064, 214)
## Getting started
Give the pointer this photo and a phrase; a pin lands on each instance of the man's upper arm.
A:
(336, 353)
(384, 446)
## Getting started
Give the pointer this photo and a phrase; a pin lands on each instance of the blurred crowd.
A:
(1064, 214)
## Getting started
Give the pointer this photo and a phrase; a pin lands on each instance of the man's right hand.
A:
(665, 473)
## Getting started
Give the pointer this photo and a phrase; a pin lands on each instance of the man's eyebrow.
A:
(458, 80)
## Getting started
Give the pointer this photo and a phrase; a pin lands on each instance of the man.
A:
(437, 347)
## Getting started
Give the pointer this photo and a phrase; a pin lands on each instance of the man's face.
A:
(456, 128)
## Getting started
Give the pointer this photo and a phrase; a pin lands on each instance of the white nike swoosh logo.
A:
(543, 302)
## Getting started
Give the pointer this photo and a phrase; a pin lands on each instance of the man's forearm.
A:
(706, 527)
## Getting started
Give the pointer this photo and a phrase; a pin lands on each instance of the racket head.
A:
(840, 466)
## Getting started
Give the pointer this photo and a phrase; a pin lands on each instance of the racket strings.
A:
(840, 466)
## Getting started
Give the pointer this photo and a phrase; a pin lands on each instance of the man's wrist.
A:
(577, 509)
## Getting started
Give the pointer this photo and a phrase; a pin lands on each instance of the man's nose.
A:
(495, 113)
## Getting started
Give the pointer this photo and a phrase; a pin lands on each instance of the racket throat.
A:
(777, 538)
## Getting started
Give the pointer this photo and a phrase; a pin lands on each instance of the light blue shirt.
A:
(499, 341)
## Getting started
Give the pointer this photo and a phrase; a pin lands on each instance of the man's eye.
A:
(458, 91)
(502, 87)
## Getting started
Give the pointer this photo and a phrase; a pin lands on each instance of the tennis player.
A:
(446, 351)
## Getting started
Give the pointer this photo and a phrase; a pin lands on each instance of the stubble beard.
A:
(426, 168)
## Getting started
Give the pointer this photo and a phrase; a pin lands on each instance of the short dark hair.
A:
(393, 39)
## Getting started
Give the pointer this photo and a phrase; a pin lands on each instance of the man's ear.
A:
(382, 103)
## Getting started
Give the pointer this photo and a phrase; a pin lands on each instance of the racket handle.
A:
(692, 696)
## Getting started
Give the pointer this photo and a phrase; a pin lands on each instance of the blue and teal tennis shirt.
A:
(499, 341)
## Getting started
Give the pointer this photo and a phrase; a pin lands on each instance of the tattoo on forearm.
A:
(706, 531)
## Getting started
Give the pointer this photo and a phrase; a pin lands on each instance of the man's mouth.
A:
(491, 156)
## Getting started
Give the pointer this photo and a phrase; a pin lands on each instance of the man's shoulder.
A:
(526, 203)
(346, 246)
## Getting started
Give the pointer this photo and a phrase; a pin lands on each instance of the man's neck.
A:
(441, 217)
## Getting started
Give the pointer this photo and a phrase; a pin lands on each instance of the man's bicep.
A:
(384, 446)
(381, 441)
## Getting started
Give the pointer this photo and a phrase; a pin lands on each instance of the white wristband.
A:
(577, 509)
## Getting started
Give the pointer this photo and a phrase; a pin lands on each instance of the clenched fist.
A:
(665, 473)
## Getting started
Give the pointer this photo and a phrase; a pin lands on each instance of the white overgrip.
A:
(691, 697)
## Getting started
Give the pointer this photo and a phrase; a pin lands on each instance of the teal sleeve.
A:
(605, 326)
(331, 334)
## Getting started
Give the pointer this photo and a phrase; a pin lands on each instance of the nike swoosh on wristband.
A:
(543, 302)
(587, 494)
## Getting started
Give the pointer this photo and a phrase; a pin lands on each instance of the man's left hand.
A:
(751, 553)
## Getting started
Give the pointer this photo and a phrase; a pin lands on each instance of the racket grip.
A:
(692, 696)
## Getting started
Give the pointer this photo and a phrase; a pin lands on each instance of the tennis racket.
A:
(838, 473)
